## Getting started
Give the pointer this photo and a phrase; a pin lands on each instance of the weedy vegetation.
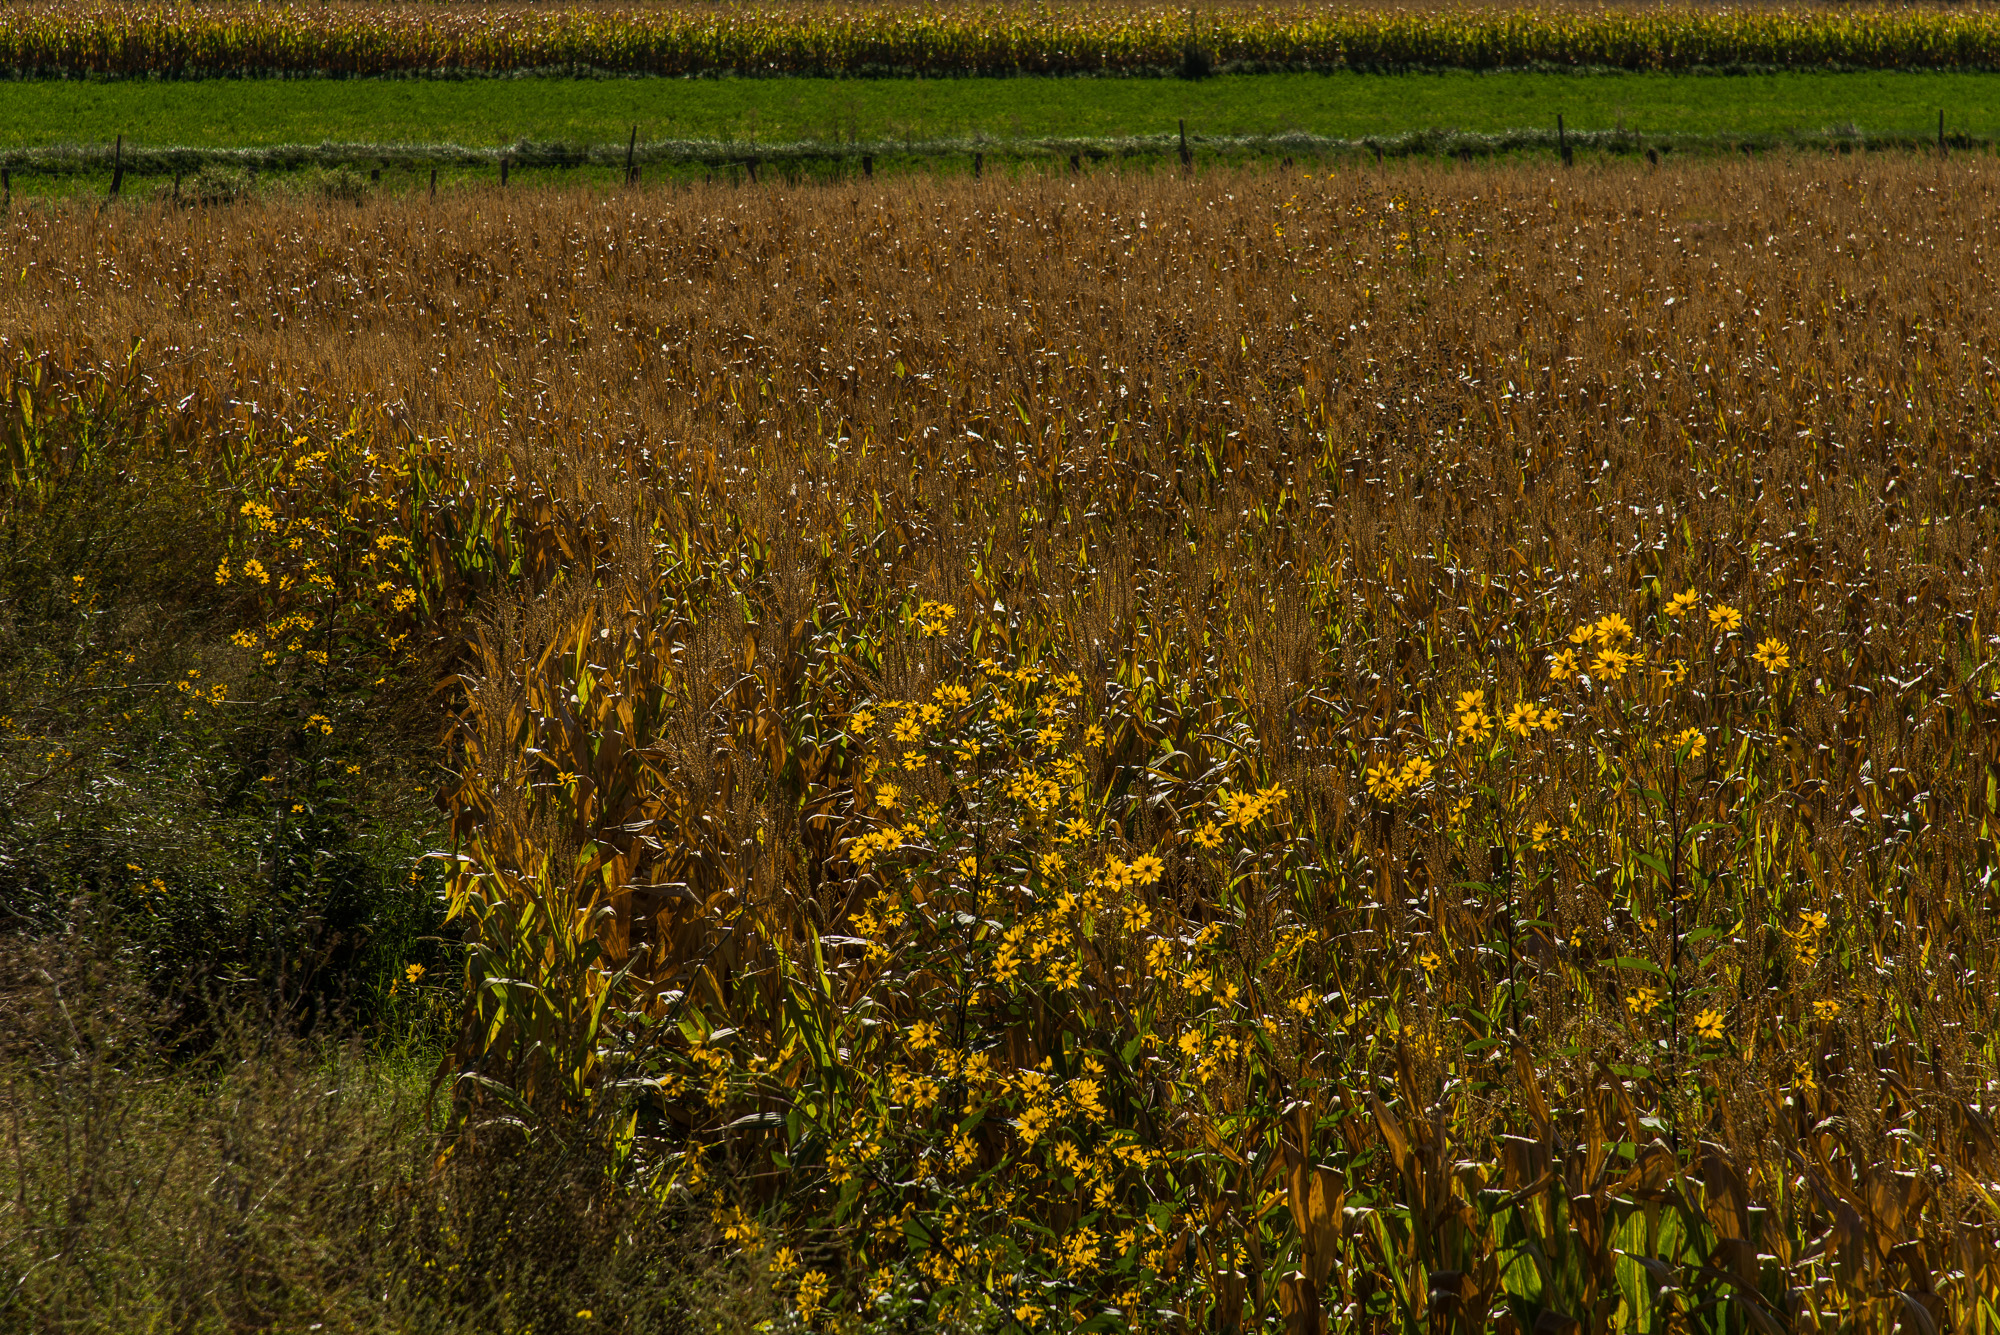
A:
(1255, 749)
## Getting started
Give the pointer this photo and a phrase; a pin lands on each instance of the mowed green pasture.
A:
(245, 113)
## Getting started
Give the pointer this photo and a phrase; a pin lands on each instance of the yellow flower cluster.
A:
(934, 619)
(864, 849)
(1475, 725)
(1387, 780)
(1000, 889)
(1246, 809)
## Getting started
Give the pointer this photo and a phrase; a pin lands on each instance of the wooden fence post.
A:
(117, 166)
(631, 147)
(503, 169)
(978, 164)
(868, 166)
(1562, 140)
(1187, 157)
(434, 182)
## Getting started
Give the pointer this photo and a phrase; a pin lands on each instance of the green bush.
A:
(154, 782)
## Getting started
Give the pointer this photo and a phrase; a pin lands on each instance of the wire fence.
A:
(122, 159)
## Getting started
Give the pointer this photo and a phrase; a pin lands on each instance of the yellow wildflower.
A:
(813, 1288)
(1383, 781)
(1079, 1251)
(1611, 664)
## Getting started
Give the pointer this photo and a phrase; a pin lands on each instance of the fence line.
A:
(129, 159)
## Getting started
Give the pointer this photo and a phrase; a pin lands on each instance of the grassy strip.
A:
(494, 113)
(105, 40)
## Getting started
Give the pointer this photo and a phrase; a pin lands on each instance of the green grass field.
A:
(231, 113)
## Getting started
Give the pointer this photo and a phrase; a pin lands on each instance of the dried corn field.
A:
(1256, 750)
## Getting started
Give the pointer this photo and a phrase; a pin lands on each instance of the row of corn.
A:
(189, 41)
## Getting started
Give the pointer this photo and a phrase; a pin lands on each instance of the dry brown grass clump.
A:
(1528, 770)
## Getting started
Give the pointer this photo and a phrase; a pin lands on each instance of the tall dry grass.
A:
(279, 1185)
(1282, 465)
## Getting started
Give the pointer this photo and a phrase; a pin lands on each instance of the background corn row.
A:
(155, 40)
